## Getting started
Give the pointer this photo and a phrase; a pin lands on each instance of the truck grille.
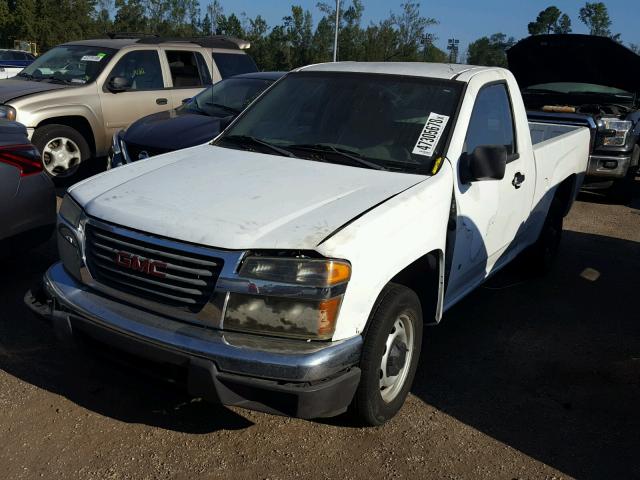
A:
(165, 275)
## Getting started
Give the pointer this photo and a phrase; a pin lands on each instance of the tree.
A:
(635, 48)
(130, 16)
(411, 26)
(490, 51)
(596, 17)
(550, 20)
(206, 28)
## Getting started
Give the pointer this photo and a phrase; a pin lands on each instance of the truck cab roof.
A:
(445, 71)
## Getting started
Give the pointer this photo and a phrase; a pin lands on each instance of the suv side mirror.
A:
(486, 162)
(118, 84)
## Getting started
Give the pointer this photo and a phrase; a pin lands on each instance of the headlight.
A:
(70, 211)
(619, 130)
(289, 316)
(301, 271)
(286, 317)
(7, 112)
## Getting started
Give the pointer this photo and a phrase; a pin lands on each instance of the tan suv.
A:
(74, 97)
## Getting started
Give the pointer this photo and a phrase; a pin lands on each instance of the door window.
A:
(142, 69)
(491, 120)
(230, 64)
(184, 69)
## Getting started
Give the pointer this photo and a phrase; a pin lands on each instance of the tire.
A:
(541, 256)
(374, 404)
(63, 149)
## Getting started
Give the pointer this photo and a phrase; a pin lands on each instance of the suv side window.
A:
(184, 69)
(230, 64)
(142, 69)
(491, 120)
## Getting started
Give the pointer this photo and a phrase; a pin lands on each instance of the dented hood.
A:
(235, 199)
(574, 58)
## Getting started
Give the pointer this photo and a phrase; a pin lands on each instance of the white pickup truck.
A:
(290, 265)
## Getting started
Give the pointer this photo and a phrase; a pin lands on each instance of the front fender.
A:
(385, 240)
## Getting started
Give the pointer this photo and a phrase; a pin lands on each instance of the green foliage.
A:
(490, 51)
(596, 17)
(550, 20)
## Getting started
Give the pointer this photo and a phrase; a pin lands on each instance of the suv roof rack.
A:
(214, 41)
(129, 35)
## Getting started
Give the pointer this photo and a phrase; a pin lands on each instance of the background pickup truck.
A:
(290, 265)
(561, 83)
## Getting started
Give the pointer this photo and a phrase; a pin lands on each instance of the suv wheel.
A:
(63, 149)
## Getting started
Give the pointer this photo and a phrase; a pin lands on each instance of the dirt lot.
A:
(526, 378)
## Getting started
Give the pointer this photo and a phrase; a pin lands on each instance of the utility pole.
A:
(427, 41)
(453, 45)
(335, 40)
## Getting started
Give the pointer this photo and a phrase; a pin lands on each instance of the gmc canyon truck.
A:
(589, 81)
(289, 266)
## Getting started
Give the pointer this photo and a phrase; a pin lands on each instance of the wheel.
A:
(63, 149)
(389, 355)
(542, 254)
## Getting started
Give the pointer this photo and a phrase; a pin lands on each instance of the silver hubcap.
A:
(396, 359)
(61, 157)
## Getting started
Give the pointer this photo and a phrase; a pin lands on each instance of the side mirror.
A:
(118, 84)
(486, 162)
(186, 100)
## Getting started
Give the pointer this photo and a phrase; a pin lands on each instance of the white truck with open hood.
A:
(290, 265)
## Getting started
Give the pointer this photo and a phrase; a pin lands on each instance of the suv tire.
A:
(63, 149)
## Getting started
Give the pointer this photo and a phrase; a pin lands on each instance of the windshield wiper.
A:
(248, 140)
(354, 157)
(28, 76)
(56, 79)
(224, 107)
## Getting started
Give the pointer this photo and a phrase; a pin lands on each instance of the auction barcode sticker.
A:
(431, 134)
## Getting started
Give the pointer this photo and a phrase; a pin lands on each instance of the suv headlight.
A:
(619, 130)
(7, 112)
(298, 316)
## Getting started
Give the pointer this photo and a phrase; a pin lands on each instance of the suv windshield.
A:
(69, 64)
(228, 97)
(368, 120)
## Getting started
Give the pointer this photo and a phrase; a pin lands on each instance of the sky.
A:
(466, 20)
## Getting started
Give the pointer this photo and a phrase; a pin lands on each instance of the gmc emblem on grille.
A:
(140, 264)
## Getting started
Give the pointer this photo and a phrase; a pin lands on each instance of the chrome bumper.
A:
(235, 353)
(608, 166)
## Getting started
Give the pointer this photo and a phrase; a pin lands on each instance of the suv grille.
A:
(158, 273)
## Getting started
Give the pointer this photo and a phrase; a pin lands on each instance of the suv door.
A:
(490, 213)
(145, 94)
(189, 74)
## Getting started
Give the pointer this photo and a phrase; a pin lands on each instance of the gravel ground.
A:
(526, 378)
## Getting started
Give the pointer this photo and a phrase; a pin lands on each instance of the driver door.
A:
(145, 95)
(490, 213)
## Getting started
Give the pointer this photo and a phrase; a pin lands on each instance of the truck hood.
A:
(574, 58)
(12, 88)
(236, 199)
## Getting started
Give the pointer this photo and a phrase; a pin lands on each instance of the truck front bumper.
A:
(608, 167)
(288, 377)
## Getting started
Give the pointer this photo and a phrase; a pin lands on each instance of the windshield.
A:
(77, 64)
(394, 122)
(228, 97)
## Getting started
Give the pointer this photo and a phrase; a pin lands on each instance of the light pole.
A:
(335, 40)
(452, 46)
(427, 41)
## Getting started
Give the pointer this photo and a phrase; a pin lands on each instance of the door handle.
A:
(518, 180)
(161, 101)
